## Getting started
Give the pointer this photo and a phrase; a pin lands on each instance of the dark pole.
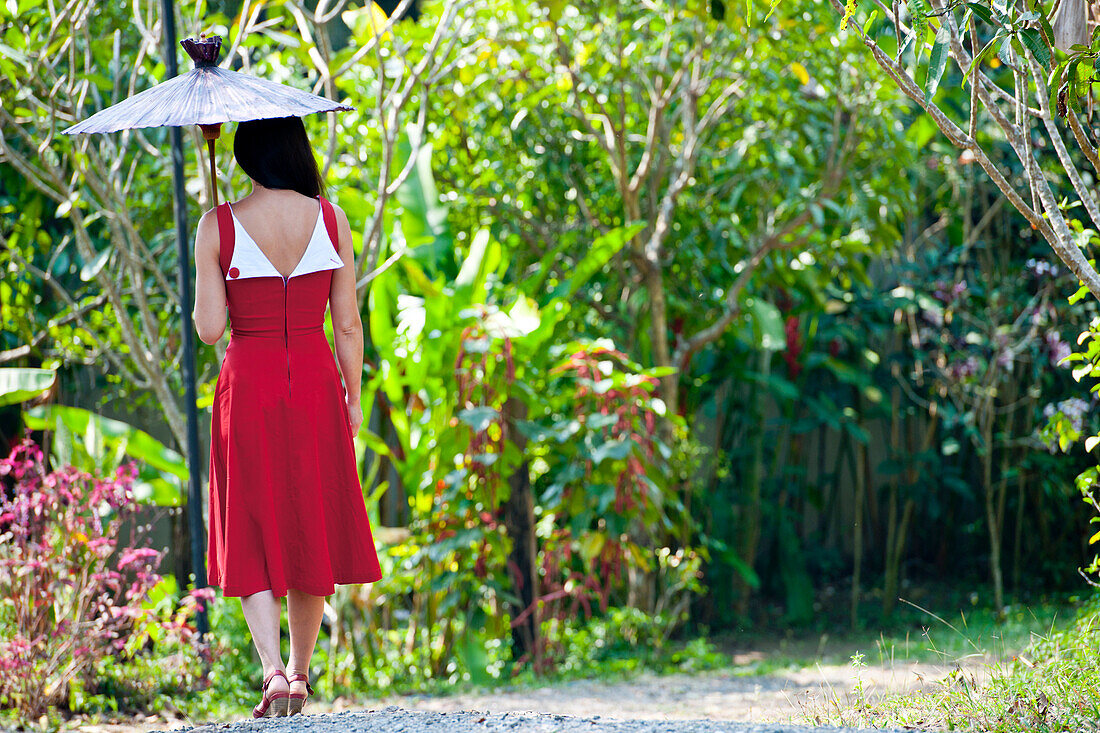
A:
(194, 495)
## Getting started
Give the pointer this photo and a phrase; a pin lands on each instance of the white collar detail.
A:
(249, 261)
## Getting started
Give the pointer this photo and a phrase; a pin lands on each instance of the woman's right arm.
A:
(209, 313)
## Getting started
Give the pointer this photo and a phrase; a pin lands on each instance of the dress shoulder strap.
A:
(227, 237)
(329, 215)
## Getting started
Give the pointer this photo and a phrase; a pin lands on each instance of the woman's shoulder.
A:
(208, 222)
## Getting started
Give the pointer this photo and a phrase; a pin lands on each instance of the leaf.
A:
(1048, 31)
(158, 492)
(849, 10)
(592, 543)
(800, 71)
(743, 569)
(977, 61)
(981, 11)
(767, 324)
(534, 431)
(139, 445)
(1034, 42)
(18, 384)
(1004, 53)
(1091, 442)
(870, 20)
(614, 449)
(424, 222)
(599, 421)
(470, 650)
(374, 443)
(602, 249)
(478, 418)
(937, 62)
(918, 14)
(520, 320)
(90, 270)
(477, 264)
(366, 21)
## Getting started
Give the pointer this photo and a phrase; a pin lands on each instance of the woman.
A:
(287, 516)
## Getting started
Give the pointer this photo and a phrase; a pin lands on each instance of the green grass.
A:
(1034, 672)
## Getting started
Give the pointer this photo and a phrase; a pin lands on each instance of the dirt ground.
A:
(783, 697)
(789, 696)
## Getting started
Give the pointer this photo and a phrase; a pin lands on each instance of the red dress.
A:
(286, 507)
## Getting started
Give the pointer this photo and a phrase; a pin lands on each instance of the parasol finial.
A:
(203, 51)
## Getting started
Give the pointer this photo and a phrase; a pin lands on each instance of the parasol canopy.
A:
(206, 95)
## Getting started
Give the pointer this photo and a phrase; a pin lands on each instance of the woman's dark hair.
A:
(276, 154)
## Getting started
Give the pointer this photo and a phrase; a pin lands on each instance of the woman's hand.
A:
(355, 416)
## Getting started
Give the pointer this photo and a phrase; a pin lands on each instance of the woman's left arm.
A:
(209, 313)
(347, 325)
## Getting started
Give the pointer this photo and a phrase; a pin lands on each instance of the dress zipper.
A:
(286, 336)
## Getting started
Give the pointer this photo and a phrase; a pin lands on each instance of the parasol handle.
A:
(210, 133)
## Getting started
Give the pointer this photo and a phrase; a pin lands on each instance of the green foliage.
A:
(627, 641)
(462, 348)
(1050, 683)
(96, 443)
(20, 385)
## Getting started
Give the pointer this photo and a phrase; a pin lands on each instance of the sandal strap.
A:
(299, 677)
(270, 677)
(265, 699)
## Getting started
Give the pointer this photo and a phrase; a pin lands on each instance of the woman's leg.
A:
(304, 613)
(261, 611)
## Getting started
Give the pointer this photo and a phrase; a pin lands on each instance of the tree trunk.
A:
(890, 562)
(991, 511)
(857, 523)
(181, 541)
(750, 528)
(662, 354)
(894, 552)
(519, 521)
(1021, 490)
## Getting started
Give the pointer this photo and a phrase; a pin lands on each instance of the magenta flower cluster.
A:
(70, 596)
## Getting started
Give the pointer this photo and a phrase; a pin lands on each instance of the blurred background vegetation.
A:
(682, 324)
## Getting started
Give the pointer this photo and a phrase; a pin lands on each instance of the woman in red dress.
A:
(287, 516)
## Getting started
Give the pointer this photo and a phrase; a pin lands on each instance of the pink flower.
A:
(135, 555)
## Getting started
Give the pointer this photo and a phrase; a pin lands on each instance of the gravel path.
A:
(398, 720)
(724, 695)
(711, 702)
(722, 701)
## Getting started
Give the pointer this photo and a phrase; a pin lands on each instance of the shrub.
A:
(72, 601)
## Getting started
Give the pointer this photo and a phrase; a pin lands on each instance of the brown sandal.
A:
(297, 700)
(273, 705)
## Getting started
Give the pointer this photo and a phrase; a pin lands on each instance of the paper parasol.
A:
(207, 96)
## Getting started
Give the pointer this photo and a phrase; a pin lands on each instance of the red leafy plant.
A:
(612, 503)
(70, 597)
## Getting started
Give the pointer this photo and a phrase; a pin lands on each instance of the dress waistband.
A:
(268, 333)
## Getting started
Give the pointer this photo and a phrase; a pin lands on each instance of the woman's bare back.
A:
(281, 222)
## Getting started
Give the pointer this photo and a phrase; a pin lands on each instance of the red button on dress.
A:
(286, 506)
